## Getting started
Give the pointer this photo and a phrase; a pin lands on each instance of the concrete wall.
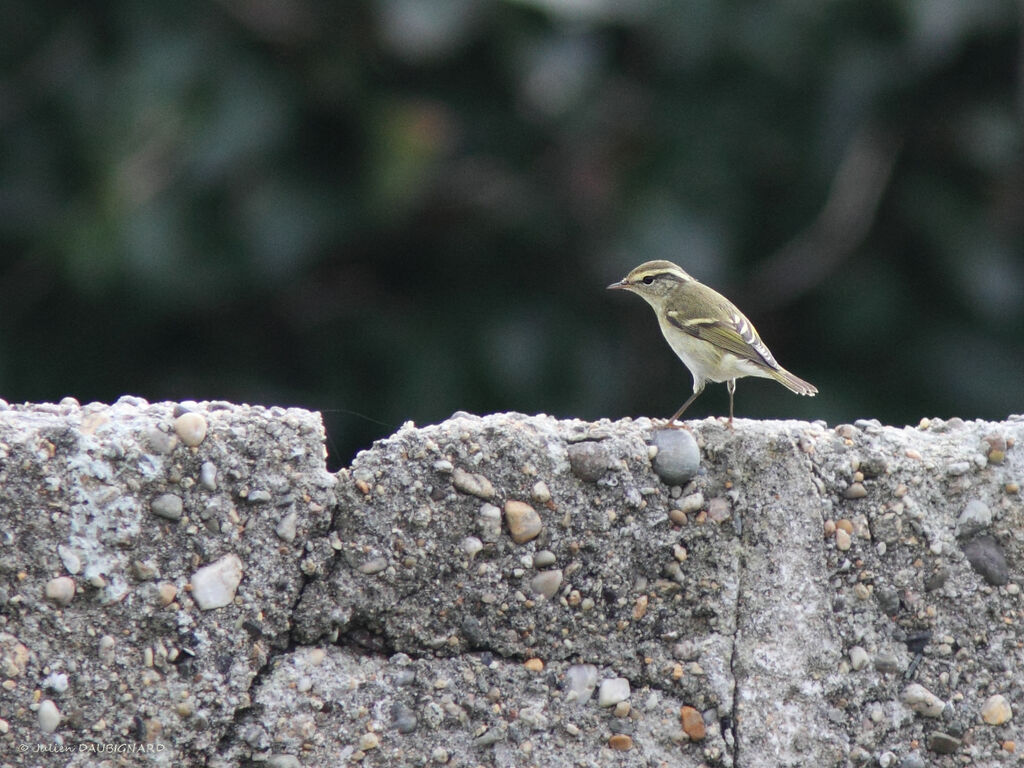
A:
(188, 580)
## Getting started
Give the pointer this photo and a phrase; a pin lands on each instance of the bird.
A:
(709, 334)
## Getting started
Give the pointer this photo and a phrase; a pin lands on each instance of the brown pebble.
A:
(677, 516)
(640, 608)
(855, 491)
(830, 528)
(191, 428)
(1012, 488)
(693, 723)
(534, 665)
(845, 525)
(910, 453)
(621, 742)
(523, 521)
(1009, 746)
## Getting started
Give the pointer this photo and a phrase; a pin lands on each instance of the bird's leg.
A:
(697, 389)
(731, 386)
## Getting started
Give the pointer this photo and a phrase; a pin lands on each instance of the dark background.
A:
(397, 209)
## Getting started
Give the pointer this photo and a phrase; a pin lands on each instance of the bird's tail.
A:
(793, 383)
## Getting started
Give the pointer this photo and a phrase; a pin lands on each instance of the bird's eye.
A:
(649, 279)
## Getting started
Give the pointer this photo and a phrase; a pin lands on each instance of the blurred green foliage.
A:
(403, 208)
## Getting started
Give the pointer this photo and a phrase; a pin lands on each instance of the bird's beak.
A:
(616, 286)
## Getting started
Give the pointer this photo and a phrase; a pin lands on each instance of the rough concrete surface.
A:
(187, 584)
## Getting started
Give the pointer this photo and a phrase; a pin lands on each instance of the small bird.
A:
(706, 330)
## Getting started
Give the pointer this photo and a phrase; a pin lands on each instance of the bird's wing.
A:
(732, 333)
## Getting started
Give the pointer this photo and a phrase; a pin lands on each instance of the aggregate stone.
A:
(922, 701)
(678, 457)
(48, 716)
(986, 557)
(612, 691)
(474, 484)
(190, 428)
(589, 460)
(60, 590)
(996, 710)
(942, 743)
(168, 506)
(214, 585)
(524, 524)
(975, 518)
(546, 583)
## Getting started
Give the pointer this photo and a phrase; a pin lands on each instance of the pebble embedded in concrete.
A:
(168, 506)
(996, 710)
(48, 716)
(612, 691)
(986, 556)
(214, 585)
(922, 701)
(473, 484)
(524, 524)
(588, 460)
(190, 428)
(546, 583)
(60, 590)
(678, 458)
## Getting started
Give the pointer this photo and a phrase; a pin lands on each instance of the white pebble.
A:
(56, 682)
(580, 681)
(61, 590)
(922, 701)
(214, 585)
(471, 545)
(48, 716)
(191, 428)
(613, 691)
(72, 562)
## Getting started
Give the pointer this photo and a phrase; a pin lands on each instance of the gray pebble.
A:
(589, 460)
(544, 559)
(678, 457)
(259, 496)
(489, 737)
(975, 518)
(888, 600)
(691, 503)
(855, 491)
(942, 743)
(547, 583)
(912, 760)
(404, 718)
(159, 442)
(167, 506)
(887, 662)
(987, 558)
(936, 579)
(283, 761)
(373, 565)
(286, 529)
(958, 468)
(208, 476)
